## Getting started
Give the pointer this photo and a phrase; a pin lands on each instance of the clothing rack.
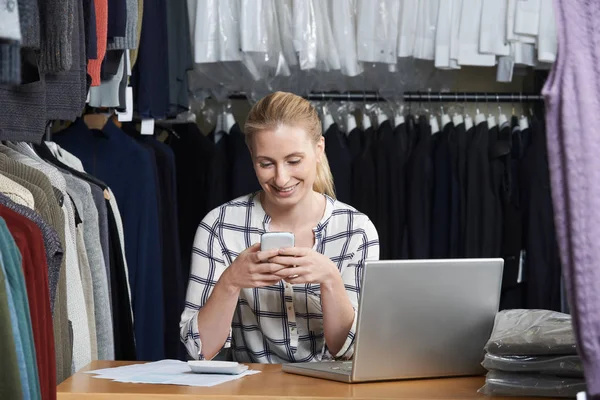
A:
(443, 97)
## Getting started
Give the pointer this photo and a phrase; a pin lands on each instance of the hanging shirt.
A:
(470, 25)
(377, 33)
(343, 25)
(427, 17)
(443, 34)
(492, 35)
(547, 35)
(408, 27)
(294, 331)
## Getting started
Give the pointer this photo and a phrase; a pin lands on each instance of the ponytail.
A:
(324, 181)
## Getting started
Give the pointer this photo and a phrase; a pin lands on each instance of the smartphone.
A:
(276, 240)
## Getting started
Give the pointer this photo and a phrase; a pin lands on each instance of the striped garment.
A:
(283, 322)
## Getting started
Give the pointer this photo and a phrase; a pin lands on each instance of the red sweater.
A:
(30, 242)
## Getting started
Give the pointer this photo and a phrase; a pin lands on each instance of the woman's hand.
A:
(252, 268)
(305, 265)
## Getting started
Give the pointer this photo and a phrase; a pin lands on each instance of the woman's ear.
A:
(320, 148)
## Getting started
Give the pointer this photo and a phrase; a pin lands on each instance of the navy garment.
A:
(442, 194)
(400, 150)
(150, 74)
(117, 18)
(363, 173)
(543, 267)
(242, 176)
(480, 224)
(340, 162)
(201, 183)
(174, 283)
(385, 158)
(420, 193)
(126, 167)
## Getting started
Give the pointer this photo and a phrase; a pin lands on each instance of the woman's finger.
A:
(263, 256)
(289, 261)
(289, 272)
(269, 268)
(294, 251)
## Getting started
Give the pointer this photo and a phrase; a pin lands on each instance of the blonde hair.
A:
(280, 108)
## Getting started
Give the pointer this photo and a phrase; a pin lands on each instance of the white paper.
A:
(165, 372)
(147, 126)
(127, 115)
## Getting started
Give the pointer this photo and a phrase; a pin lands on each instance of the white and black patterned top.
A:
(279, 323)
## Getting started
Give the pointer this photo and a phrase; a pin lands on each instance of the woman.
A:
(255, 300)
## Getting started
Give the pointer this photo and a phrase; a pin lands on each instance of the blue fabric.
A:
(14, 320)
(128, 169)
(150, 74)
(19, 304)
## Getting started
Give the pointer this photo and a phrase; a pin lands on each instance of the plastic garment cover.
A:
(377, 34)
(343, 24)
(408, 27)
(566, 366)
(532, 332)
(305, 33)
(215, 25)
(327, 49)
(426, 26)
(499, 383)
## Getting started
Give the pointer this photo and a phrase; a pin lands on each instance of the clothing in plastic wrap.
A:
(532, 332)
(499, 383)
(565, 366)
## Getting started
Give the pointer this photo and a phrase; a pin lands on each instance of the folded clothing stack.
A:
(532, 353)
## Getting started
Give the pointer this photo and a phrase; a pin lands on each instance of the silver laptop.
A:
(419, 319)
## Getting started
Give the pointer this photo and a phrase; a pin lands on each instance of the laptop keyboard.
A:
(344, 366)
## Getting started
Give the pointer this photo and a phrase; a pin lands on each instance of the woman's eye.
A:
(265, 165)
(294, 162)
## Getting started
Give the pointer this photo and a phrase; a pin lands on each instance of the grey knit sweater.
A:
(130, 39)
(52, 213)
(56, 26)
(82, 195)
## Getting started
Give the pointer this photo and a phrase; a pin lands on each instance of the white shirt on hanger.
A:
(217, 31)
(253, 27)
(523, 53)
(547, 35)
(284, 10)
(511, 35)
(377, 34)
(305, 33)
(343, 24)
(443, 35)
(527, 17)
(454, 33)
(327, 50)
(492, 35)
(407, 31)
(470, 24)
(426, 30)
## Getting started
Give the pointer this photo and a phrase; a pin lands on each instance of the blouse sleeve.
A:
(206, 269)
(367, 248)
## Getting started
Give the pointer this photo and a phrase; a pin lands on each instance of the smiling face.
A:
(285, 160)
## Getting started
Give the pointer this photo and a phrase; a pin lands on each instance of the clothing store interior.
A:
(299, 199)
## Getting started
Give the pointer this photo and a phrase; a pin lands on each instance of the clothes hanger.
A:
(399, 116)
(433, 122)
(381, 117)
(468, 119)
(228, 118)
(491, 120)
(350, 117)
(366, 119)
(445, 117)
(501, 116)
(457, 118)
(479, 117)
(327, 117)
(523, 121)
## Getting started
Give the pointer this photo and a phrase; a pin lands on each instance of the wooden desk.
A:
(271, 383)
